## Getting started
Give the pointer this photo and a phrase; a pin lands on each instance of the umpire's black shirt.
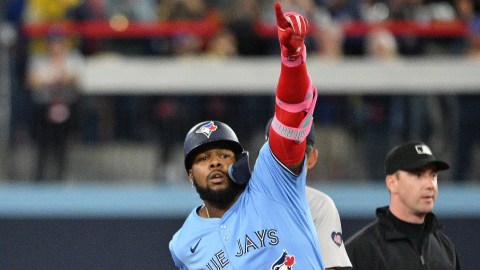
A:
(386, 244)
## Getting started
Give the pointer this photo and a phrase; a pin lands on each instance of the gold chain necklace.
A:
(206, 211)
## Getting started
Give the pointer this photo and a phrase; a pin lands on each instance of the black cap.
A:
(311, 137)
(412, 156)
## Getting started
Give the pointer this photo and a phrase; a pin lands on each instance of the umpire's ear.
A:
(390, 181)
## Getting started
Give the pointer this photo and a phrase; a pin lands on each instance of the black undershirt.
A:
(414, 232)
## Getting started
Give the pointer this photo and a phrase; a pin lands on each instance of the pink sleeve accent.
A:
(310, 97)
(297, 134)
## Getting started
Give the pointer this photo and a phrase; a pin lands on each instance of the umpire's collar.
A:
(391, 233)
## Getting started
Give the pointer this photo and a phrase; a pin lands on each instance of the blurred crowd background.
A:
(51, 131)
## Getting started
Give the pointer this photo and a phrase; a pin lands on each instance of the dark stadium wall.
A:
(142, 243)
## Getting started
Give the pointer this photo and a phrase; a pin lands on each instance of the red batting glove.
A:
(292, 28)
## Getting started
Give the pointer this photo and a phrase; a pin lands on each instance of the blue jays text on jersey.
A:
(244, 245)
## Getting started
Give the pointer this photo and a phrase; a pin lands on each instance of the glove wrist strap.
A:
(293, 61)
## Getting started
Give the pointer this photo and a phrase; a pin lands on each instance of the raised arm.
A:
(295, 94)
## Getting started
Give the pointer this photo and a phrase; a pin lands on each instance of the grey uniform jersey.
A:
(329, 229)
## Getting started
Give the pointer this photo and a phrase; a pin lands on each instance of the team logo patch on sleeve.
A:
(285, 262)
(337, 238)
(207, 129)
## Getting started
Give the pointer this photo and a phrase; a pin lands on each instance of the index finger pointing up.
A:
(281, 21)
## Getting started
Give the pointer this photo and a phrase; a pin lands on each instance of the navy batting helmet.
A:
(206, 133)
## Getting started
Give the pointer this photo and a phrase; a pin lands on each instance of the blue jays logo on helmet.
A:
(207, 129)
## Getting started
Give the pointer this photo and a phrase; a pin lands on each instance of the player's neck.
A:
(211, 212)
(214, 210)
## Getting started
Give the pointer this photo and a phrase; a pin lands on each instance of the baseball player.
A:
(325, 214)
(260, 221)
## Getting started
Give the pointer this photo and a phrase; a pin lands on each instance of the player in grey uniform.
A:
(329, 229)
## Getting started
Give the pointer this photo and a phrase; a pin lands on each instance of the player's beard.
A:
(220, 198)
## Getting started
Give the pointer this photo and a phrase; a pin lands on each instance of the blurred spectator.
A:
(227, 108)
(134, 10)
(20, 12)
(182, 9)
(381, 45)
(376, 112)
(330, 41)
(21, 103)
(331, 113)
(129, 110)
(465, 12)
(124, 12)
(466, 9)
(341, 10)
(390, 119)
(130, 113)
(184, 43)
(332, 118)
(53, 79)
(88, 11)
(47, 10)
(240, 18)
(473, 39)
(409, 10)
(173, 114)
(170, 118)
(409, 117)
(223, 44)
(423, 11)
(374, 122)
(468, 139)
(443, 11)
(374, 11)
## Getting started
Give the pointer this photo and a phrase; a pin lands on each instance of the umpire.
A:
(406, 234)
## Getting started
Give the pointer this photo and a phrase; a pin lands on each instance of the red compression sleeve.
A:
(292, 88)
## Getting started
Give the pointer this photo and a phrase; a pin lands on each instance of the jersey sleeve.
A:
(273, 179)
(178, 263)
(329, 229)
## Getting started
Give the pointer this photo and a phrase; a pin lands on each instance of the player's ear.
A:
(190, 176)
(312, 158)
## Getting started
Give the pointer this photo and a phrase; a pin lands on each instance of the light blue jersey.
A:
(268, 228)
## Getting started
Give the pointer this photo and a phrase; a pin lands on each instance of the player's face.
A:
(417, 190)
(209, 174)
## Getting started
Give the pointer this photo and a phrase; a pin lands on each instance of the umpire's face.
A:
(209, 174)
(413, 193)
